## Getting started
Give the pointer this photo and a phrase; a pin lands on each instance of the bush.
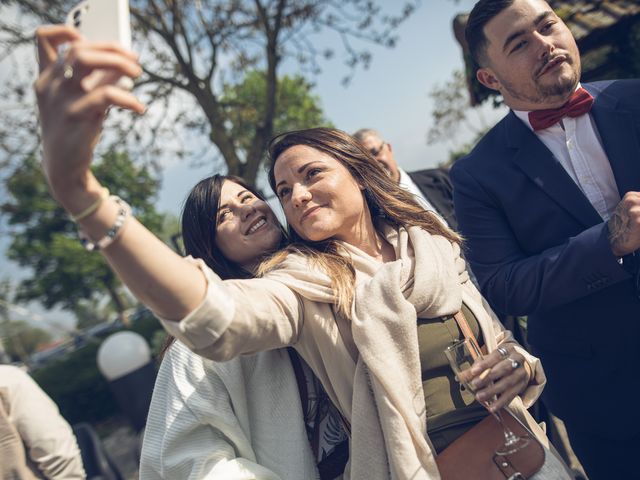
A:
(75, 383)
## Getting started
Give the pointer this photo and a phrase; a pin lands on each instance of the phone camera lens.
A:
(76, 14)
(77, 23)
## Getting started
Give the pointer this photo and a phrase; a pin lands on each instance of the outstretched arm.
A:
(217, 320)
(71, 117)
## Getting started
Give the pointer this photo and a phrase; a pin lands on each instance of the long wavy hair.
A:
(384, 197)
(199, 229)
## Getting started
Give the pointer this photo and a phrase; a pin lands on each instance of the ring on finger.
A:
(504, 353)
(67, 71)
(515, 364)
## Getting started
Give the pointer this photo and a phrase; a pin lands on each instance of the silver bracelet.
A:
(124, 212)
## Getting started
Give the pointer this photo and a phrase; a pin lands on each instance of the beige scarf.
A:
(388, 419)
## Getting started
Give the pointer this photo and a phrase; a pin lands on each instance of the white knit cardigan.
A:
(239, 420)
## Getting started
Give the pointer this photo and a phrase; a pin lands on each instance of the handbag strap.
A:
(464, 327)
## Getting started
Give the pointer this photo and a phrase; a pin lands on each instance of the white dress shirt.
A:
(579, 150)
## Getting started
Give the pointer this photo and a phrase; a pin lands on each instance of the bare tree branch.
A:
(191, 51)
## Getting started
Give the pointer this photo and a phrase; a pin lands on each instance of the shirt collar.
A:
(524, 115)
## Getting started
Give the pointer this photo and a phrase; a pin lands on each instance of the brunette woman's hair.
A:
(200, 222)
(199, 228)
(384, 197)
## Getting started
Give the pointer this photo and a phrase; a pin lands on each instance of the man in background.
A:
(35, 441)
(432, 186)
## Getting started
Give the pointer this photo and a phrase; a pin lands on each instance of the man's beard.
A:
(544, 93)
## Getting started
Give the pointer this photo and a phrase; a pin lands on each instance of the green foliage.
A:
(5, 299)
(190, 51)
(296, 106)
(77, 386)
(21, 339)
(90, 312)
(170, 232)
(451, 117)
(463, 150)
(158, 342)
(45, 241)
(451, 103)
(626, 53)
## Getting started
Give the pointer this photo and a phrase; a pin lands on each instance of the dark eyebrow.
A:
(540, 18)
(300, 170)
(238, 195)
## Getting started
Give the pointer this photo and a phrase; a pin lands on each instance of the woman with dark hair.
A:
(202, 229)
(256, 416)
(366, 295)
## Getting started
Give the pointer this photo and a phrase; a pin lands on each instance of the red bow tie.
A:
(579, 104)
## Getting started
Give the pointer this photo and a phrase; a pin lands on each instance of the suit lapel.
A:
(544, 170)
(619, 140)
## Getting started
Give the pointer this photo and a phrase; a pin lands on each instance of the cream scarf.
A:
(388, 419)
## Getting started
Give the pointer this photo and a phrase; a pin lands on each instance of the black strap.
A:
(333, 465)
(300, 380)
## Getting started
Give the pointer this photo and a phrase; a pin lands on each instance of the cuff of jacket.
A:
(537, 381)
(203, 326)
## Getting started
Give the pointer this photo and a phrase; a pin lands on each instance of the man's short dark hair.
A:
(482, 13)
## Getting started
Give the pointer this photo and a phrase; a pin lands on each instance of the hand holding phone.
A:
(103, 21)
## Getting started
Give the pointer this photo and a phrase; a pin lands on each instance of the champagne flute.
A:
(461, 356)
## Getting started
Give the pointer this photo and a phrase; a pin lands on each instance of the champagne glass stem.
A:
(461, 355)
(510, 438)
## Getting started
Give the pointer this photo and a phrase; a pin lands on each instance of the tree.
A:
(192, 52)
(21, 339)
(91, 312)
(296, 106)
(451, 117)
(451, 110)
(45, 241)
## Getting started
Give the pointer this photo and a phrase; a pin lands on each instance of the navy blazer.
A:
(539, 248)
(436, 187)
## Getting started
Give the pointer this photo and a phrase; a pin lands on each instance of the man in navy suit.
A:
(548, 203)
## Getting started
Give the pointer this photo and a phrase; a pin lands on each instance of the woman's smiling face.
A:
(319, 196)
(246, 228)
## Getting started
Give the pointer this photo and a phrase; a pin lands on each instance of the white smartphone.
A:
(103, 21)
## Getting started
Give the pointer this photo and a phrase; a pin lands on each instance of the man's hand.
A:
(624, 225)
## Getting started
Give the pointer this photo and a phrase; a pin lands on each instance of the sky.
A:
(392, 96)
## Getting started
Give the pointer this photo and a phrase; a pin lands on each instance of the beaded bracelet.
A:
(124, 212)
(93, 207)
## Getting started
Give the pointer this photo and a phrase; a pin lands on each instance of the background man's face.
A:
(532, 56)
(381, 151)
